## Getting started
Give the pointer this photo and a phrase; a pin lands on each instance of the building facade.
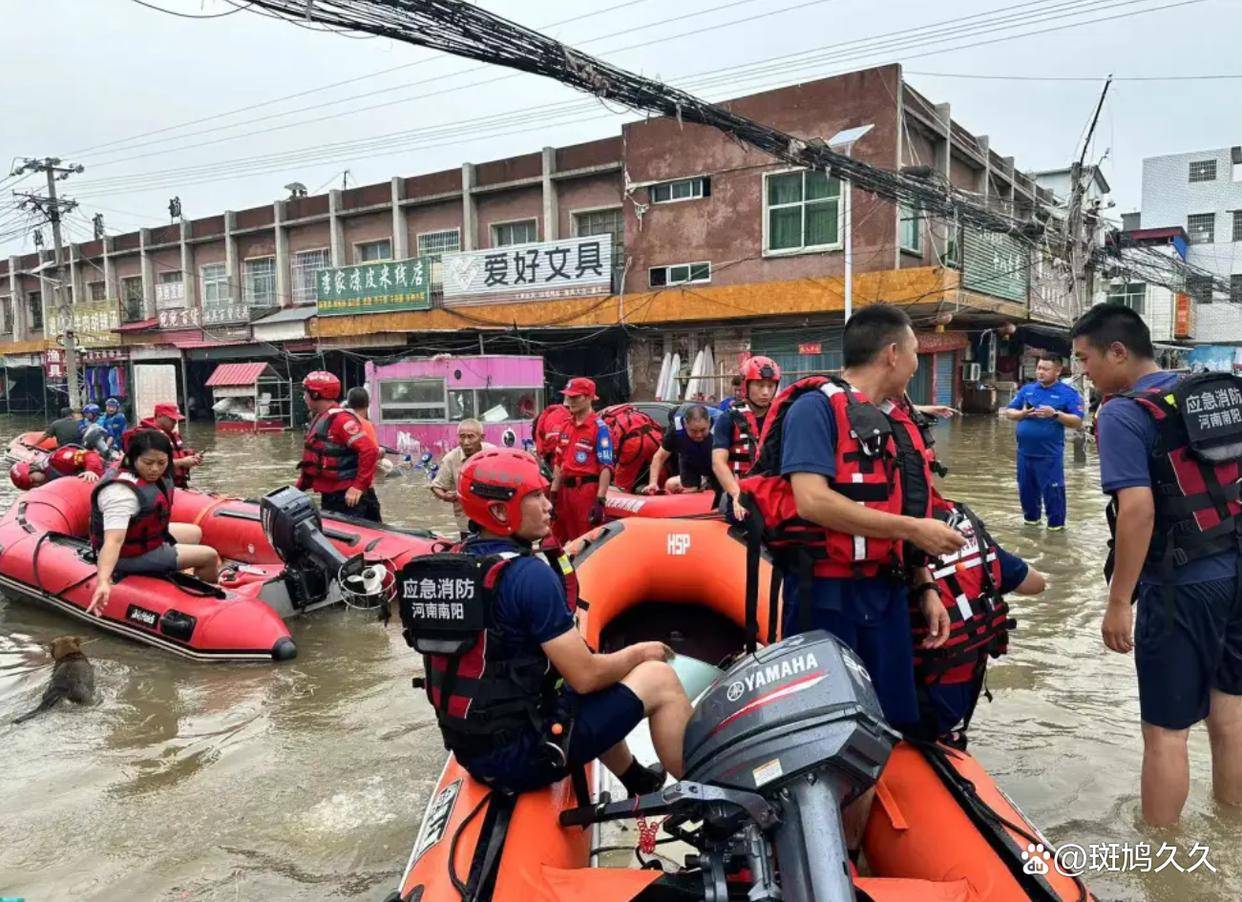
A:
(712, 244)
(1201, 194)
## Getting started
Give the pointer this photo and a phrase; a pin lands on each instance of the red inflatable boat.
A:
(45, 558)
(619, 505)
(29, 446)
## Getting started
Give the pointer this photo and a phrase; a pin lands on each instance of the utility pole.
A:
(51, 207)
(1075, 219)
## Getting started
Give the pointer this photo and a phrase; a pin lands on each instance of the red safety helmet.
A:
(758, 369)
(504, 475)
(322, 384)
(20, 474)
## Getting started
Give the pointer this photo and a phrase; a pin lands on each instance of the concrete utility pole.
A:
(51, 207)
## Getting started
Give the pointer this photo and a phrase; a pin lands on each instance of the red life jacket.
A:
(69, 460)
(880, 463)
(635, 439)
(323, 460)
(484, 694)
(969, 584)
(1195, 467)
(148, 529)
(549, 431)
(744, 447)
(180, 475)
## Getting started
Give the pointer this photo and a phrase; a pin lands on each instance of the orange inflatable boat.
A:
(778, 742)
(620, 505)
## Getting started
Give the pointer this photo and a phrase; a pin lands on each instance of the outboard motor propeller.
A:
(292, 525)
(799, 724)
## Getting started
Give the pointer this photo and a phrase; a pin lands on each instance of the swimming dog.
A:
(73, 677)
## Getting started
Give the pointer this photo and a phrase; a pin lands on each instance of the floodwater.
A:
(308, 780)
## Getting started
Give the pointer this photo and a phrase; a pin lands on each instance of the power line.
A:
(758, 69)
(170, 12)
(1095, 78)
(327, 87)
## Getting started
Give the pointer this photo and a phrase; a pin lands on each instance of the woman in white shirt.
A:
(131, 528)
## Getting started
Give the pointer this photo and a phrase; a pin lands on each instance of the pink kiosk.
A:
(416, 404)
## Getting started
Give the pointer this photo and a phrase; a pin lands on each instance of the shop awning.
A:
(236, 374)
(196, 343)
(143, 325)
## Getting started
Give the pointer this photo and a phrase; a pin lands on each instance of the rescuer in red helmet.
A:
(339, 458)
(735, 436)
(537, 703)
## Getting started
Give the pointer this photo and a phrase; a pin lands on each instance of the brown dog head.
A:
(63, 646)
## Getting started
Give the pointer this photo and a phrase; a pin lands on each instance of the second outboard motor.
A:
(292, 525)
(798, 723)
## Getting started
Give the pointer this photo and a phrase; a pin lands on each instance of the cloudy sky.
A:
(225, 111)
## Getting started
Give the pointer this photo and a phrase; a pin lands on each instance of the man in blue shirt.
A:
(1188, 653)
(870, 614)
(602, 697)
(114, 421)
(689, 442)
(1044, 409)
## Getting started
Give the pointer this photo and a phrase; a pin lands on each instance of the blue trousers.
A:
(1041, 479)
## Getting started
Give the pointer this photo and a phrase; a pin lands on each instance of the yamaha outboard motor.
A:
(798, 723)
(292, 525)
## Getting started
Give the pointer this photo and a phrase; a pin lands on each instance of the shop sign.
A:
(217, 313)
(180, 318)
(810, 348)
(1183, 316)
(169, 294)
(54, 364)
(570, 268)
(94, 323)
(382, 287)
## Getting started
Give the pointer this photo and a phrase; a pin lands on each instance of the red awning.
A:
(142, 325)
(236, 374)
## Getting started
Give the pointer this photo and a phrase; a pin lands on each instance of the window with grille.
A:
(215, 278)
(1199, 287)
(803, 211)
(259, 282)
(305, 269)
(681, 189)
(911, 230)
(1235, 289)
(435, 245)
(6, 312)
(1203, 171)
(1201, 228)
(131, 298)
(679, 274)
(34, 302)
(1132, 294)
(97, 291)
(1237, 225)
(605, 222)
(370, 251)
(506, 234)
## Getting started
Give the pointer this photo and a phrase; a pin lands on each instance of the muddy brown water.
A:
(308, 780)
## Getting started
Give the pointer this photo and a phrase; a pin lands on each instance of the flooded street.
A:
(307, 780)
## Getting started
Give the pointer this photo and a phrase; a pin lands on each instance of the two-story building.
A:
(713, 244)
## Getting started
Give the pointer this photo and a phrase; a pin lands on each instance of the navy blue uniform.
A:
(1041, 450)
(1178, 662)
(530, 610)
(868, 615)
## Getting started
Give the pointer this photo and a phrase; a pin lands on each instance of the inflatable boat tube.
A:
(29, 446)
(620, 505)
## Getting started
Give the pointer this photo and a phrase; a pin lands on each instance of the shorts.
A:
(872, 618)
(600, 721)
(1181, 659)
(157, 560)
(943, 706)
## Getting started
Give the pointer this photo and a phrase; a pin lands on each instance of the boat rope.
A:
(461, 888)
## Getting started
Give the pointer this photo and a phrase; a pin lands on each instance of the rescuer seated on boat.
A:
(521, 700)
(689, 441)
(68, 460)
(131, 509)
(973, 582)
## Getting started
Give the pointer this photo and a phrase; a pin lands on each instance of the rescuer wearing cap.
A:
(339, 457)
(584, 464)
(165, 418)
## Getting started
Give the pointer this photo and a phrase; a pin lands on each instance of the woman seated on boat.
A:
(515, 725)
(131, 528)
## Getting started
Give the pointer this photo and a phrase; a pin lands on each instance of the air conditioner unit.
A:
(971, 372)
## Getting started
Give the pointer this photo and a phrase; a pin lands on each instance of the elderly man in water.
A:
(444, 486)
